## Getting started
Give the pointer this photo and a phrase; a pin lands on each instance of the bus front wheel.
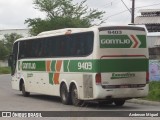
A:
(119, 102)
(74, 96)
(64, 94)
(24, 93)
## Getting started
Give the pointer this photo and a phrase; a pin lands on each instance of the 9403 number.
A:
(114, 32)
(84, 65)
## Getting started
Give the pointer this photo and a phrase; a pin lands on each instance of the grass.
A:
(154, 91)
(5, 70)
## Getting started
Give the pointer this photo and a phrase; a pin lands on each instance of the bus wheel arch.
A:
(22, 88)
(64, 94)
(74, 94)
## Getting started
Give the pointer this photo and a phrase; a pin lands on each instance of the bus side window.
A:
(22, 48)
(45, 48)
(62, 48)
(45, 42)
(40, 49)
(33, 49)
(72, 48)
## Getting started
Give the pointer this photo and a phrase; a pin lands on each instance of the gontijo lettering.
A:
(31, 66)
(115, 41)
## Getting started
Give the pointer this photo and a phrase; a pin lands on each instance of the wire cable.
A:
(109, 3)
(127, 10)
(126, 6)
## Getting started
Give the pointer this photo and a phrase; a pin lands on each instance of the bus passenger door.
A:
(13, 59)
(13, 64)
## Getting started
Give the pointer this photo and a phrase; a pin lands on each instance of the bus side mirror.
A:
(10, 60)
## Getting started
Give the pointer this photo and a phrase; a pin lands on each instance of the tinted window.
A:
(74, 45)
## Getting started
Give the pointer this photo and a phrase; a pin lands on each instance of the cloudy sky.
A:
(13, 13)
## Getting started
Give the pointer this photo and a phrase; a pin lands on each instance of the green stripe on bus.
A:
(124, 65)
(51, 78)
(92, 66)
(65, 65)
(142, 39)
(78, 66)
(108, 65)
(53, 65)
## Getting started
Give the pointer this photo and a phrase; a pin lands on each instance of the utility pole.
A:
(133, 9)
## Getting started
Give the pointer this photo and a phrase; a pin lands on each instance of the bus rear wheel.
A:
(64, 94)
(24, 93)
(119, 102)
(105, 102)
(74, 96)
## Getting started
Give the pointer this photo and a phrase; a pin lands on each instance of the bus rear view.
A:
(123, 63)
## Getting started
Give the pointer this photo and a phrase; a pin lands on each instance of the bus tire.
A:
(74, 96)
(64, 94)
(119, 102)
(24, 93)
(105, 102)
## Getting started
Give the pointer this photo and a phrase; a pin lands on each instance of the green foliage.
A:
(9, 40)
(154, 91)
(3, 51)
(6, 44)
(5, 70)
(63, 14)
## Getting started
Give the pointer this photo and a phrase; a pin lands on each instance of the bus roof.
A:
(75, 30)
(63, 31)
(68, 31)
(58, 32)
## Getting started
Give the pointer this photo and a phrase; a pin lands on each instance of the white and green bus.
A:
(106, 64)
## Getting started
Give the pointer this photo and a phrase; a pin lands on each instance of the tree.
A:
(63, 14)
(3, 51)
(6, 44)
(9, 40)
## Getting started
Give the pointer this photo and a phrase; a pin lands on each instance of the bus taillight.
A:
(147, 77)
(98, 78)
